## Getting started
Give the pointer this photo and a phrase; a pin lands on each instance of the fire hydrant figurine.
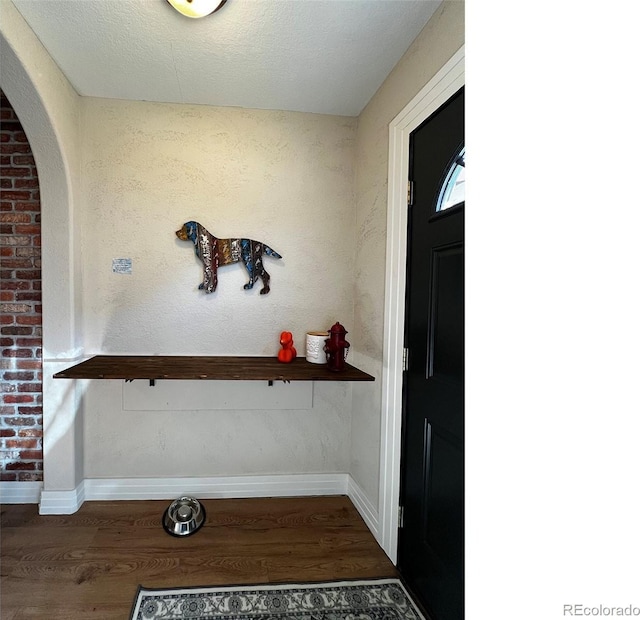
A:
(336, 348)
(288, 352)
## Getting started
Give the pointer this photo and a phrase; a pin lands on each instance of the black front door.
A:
(431, 539)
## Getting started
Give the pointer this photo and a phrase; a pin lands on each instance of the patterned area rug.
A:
(378, 599)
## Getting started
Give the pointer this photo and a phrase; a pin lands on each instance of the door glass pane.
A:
(452, 190)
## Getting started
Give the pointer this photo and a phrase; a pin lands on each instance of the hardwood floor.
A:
(89, 564)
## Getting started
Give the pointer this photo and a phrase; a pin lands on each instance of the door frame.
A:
(449, 79)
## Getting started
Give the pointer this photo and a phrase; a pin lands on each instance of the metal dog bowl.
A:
(185, 516)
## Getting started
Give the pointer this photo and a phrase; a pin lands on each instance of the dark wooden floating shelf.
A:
(230, 368)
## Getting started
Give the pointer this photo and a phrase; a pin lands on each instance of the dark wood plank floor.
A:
(89, 564)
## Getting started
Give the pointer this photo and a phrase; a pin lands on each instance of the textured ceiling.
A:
(323, 56)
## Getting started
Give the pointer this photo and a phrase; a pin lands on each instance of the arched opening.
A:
(20, 304)
(48, 107)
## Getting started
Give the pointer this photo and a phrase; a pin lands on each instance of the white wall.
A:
(284, 178)
(439, 40)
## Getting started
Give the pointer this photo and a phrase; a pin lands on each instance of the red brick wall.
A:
(20, 304)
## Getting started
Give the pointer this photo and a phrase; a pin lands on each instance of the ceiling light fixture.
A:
(196, 8)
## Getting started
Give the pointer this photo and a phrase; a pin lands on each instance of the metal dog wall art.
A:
(214, 253)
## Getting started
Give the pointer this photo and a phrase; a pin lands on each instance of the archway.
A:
(41, 96)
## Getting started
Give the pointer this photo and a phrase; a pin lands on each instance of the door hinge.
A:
(400, 516)
(405, 359)
(410, 193)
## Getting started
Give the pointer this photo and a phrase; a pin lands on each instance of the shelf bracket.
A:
(152, 382)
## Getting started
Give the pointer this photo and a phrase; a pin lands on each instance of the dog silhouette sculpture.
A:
(214, 253)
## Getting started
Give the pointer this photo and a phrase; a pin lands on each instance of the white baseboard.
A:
(367, 510)
(283, 485)
(62, 502)
(107, 489)
(20, 492)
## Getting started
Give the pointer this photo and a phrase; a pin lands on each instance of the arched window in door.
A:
(452, 190)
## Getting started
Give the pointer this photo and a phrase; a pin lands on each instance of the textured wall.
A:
(20, 304)
(439, 40)
(284, 178)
